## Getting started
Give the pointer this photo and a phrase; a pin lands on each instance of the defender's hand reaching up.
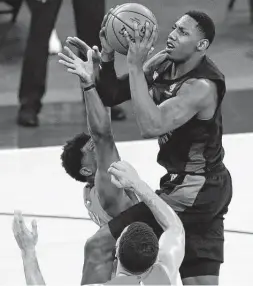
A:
(85, 70)
(25, 238)
(83, 48)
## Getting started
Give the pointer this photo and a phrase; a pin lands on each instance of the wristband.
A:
(88, 87)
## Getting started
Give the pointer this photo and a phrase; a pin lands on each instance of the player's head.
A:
(137, 248)
(192, 33)
(78, 158)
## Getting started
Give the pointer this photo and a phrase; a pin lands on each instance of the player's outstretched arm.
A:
(172, 241)
(99, 122)
(26, 241)
(98, 118)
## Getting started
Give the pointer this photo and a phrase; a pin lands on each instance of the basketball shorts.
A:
(201, 201)
(95, 210)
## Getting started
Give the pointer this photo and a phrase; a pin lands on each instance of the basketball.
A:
(122, 19)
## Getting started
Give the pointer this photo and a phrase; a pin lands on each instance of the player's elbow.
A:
(148, 132)
(146, 135)
(151, 128)
(104, 132)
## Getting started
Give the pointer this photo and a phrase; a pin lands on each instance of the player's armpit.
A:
(193, 97)
(112, 199)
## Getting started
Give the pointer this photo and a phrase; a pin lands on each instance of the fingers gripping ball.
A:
(122, 19)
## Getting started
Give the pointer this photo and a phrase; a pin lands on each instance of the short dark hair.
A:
(72, 155)
(205, 24)
(138, 248)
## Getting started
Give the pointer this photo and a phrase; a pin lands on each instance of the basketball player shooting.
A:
(177, 97)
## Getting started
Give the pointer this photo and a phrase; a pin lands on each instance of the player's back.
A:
(157, 275)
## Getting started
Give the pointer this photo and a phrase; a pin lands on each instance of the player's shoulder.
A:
(200, 83)
(155, 61)
(159, 274)
(202, 89)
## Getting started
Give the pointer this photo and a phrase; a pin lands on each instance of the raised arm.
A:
(99, 124)
(193, 98)
(26, 241)
(115, 90)
(172, 241)
(111, 89)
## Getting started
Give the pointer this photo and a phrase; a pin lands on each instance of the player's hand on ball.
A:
(25, 238)
(75, 65)
(139, 49)
(106, 48)
(123, 175)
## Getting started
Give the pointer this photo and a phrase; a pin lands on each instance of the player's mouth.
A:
(170, 46)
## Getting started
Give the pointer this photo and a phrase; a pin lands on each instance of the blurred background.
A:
(62, 115)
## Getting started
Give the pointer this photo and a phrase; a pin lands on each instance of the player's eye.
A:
(183, 32)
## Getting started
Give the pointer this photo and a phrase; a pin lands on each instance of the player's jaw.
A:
(91, 179)
(179, 52)
(89, 175)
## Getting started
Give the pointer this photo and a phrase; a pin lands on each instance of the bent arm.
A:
(172, 241)
(114, 90)
(162, 212)
(153, 121)
(32, 271)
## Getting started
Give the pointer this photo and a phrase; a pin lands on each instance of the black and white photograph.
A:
(126, 142)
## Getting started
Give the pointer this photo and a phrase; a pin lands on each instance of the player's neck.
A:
(180, 69)
(123, 272)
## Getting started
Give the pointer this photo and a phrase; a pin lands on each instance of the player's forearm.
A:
(111, 89)
(162, 212)
(107, 57)
(98, 117)
(148, 115)
(32, 271)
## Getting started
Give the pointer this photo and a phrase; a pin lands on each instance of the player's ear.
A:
(85, 172)
(203, 45)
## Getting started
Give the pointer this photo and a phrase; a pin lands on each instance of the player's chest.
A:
(163, 89)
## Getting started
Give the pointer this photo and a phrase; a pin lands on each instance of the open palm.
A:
(75, 65)
(25, 238)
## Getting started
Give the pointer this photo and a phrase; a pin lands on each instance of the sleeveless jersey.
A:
(196, 146)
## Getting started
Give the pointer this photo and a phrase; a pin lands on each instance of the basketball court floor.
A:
(33, 181)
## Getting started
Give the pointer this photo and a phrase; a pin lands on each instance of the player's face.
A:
(88, 162)
(183, 40)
